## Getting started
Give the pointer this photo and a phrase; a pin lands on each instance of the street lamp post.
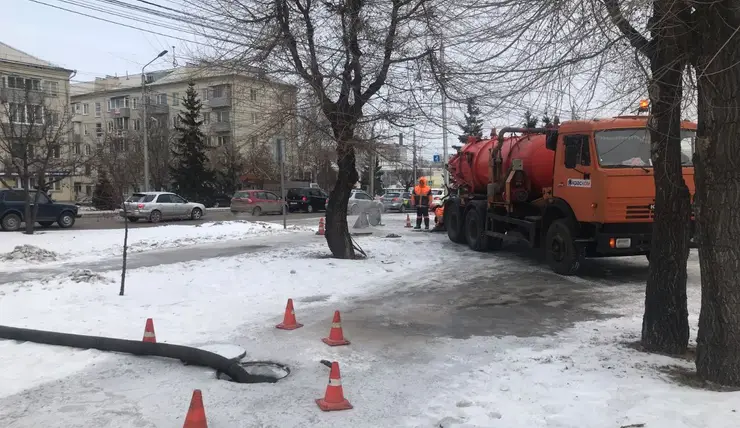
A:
(146, 125)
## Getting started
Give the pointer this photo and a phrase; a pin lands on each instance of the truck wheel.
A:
(475, 231)
(453, 223)
(561, 252)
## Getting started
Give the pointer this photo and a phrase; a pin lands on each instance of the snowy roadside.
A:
(19, 251)
(394, 374)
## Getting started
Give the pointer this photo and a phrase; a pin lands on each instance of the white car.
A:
(361, 201)
(437, 195)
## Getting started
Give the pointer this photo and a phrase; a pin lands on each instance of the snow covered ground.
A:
(441, 336)
(18, 250)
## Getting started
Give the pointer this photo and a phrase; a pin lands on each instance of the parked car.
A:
(13, 204)
(256, 202)
(396, 201)
(308, 199)
(157, 206)
(437, 195)
(361, 201)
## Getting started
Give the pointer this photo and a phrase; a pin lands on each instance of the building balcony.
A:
(219, 102)
(121, 112)
(220, 126)
(11, 95)
(157, 109)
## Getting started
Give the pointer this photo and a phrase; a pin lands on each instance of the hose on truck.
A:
(186, 354)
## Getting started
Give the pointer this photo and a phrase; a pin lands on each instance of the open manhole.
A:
(265, 371)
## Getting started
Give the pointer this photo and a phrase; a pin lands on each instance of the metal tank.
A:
(470, 168)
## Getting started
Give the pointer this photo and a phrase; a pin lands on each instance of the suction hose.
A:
(186, 354)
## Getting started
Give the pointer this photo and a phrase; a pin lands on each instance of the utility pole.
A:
(444, 115)
(372, 162)
(413, 150)
(146, 122)
(279, 142)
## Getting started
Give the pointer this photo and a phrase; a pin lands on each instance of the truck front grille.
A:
(635, 212)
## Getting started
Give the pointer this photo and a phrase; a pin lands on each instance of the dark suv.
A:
(12, 207)
(308, 199)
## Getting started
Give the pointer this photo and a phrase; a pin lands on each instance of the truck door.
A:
(572, 174)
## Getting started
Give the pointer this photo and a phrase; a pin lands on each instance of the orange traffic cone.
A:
(408, 221)
(289, 322)
(149, 332)
(196, 417)
(336, 336)
(321, 226)
(334, 396)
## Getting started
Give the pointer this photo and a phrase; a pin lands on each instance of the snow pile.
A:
(30, 254)
(84, 245)
(86, 275)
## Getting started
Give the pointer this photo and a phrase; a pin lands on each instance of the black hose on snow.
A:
(193, 356)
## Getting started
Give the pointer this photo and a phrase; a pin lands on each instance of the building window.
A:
(223, 140)
(206, 118)
(176, 121)
(110, 126)
(88, 150)
(16, 82)
(175, 99)
(78, 188)
(77, 108)
(76, 149)
(84, 129)
(56, 185)
(98, 109)
(162, 99)
(57, 152)
(252, 95)
(85, 109)
(99, 129)
(120, 123)
(117, 103)
(137, 125)
(254, 118)
(206, 94)
(222, 116)
(52, 88)
(26, 114)
(218, 91)
(135, 103)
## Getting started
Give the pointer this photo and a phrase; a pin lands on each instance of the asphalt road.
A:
(115, 222)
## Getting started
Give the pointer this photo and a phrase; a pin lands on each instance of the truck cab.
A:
(603, 171)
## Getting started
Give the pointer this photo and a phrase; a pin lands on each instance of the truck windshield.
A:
(625, 148)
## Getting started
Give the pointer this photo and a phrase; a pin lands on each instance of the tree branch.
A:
(637, 40)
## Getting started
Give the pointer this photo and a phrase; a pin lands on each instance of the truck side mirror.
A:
(571, 155)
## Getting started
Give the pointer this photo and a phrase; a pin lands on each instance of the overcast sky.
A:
(95, 48)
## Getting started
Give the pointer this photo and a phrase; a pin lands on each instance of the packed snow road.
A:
(440, 336)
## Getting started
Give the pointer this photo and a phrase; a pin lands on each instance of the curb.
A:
(99, 214)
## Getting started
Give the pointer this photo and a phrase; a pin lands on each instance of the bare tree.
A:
(37, 146)
(119, 157)
(716, 51)
(665, 325)
(343, 52)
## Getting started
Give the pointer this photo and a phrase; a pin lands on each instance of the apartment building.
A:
(240, 110)
(35, 94)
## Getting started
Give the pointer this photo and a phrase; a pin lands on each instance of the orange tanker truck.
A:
(581, 189)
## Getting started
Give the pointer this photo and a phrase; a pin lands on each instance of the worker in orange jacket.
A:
(422, 199)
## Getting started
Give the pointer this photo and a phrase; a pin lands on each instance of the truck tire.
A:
(475, 231)
(561, 252)
(454, 224)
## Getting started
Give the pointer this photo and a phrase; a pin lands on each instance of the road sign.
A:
(436, 158)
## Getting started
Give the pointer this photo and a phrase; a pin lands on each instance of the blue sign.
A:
(436, 158)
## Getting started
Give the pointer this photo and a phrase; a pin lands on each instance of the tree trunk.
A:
(337, 230)
(718, 194)
(665, 322)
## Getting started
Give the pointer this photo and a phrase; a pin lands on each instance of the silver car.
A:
(157, 206)
(360, 201)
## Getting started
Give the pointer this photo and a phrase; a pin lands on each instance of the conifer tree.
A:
(472, 126)
(190, 174)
